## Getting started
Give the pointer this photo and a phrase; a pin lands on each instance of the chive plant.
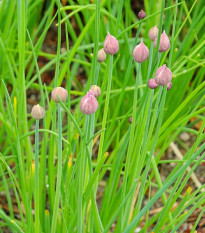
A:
(37, 113)
(97, 162)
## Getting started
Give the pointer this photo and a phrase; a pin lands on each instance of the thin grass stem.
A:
(59, 174)
(36, 195)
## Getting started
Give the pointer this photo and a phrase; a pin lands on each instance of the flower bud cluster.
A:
(163, 74)
(61, 93)
(111, 45)
(164, 43)
(37, 112)
(141, 14)
(101, 57)
(140, 52)
(89, 103)
(163, 77)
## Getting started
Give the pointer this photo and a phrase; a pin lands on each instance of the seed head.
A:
(164, 43)
(163, 75)
(96, 90)
(153, 33)
(111, 45)
(169, 86)
(37, 112)
(140, 53)
(89, 104)
(101, 56)
(59, 92)
(152, 83)
(141, 14)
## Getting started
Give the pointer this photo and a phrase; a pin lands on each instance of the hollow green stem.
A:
(36, 194)
(81, 178)
(127, 75)
(134, 110)
(130, 145)
(106, 107)
(159, 182)
(59, 173)
(97, 74)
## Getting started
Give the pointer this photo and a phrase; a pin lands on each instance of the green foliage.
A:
(62, 187)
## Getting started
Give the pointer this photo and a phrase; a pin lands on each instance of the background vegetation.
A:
(36, 55)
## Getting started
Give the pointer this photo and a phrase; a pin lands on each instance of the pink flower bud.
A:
(163, 75)
(111, 45)
(152, 83)
(37, 112)
(89, 104)
(153, 33)
(96, 90)
(130, 120)
(101, 56)
(141, 14)
(169, 86)
(59, 92)
(140, 52)
(164, 43)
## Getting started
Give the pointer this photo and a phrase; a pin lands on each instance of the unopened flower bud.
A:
(96, 90)
(130, 120)
(101, 56)
(153, 33)
(140, 52)
(141, 14)
(89, 104)
(164, 43)
(59, 92)
(152, 83)
(163, 75)
(169, 86)
(37, 112)
(111, 45)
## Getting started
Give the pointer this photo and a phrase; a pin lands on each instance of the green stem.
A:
(131, 145)
(68, 87)
(97, 74)
(119, 15)
(81, 178)
(159, 182)
(59, 173)
(96, 41)
(160, 31)
(127, 76)
(21, 98)
(173, 34)
(106, 107)
(36, 195)
(150, 61)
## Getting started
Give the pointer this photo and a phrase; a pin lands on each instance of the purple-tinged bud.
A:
(152, 83)
(101, 56)
(37, 112)
(153, 33)
(164, 43)
(96, 90)
(141, 14)
(111, 45)
(163, 75)
(140, 52)
(89, 104)
(59, 92)
(130, 120)
(169, 86)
